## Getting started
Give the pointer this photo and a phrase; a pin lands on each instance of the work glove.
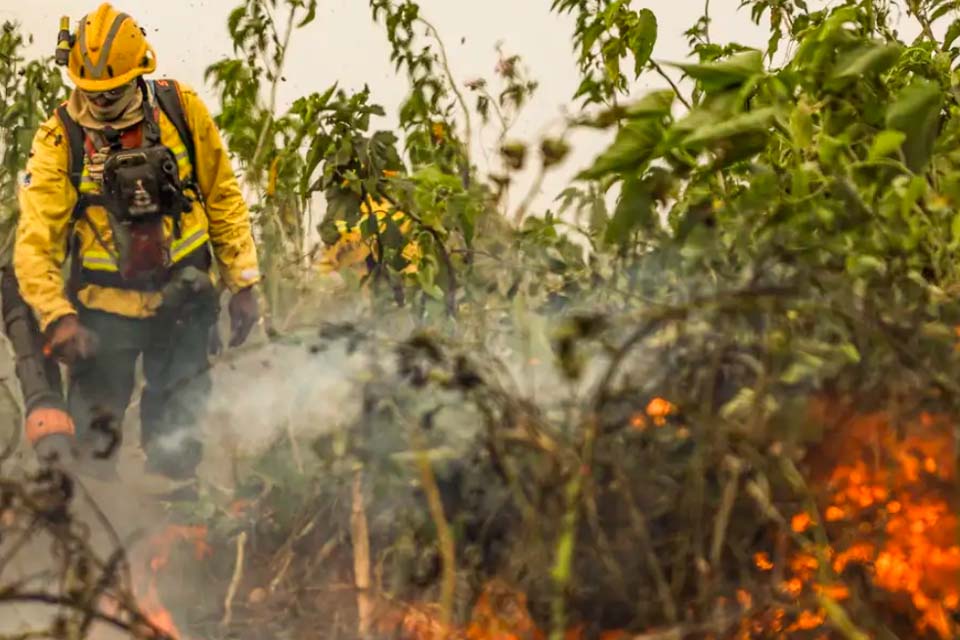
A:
(244, 313)
(69, 341)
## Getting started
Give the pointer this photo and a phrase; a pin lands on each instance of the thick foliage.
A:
(29, 90)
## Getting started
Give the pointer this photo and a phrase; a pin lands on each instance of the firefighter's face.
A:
(108, 105)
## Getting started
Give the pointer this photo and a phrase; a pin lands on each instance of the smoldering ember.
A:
(338, 368)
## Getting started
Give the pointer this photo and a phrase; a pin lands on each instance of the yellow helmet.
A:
(109, 50)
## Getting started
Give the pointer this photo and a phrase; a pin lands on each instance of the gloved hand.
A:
(244, 313)
(69, 341)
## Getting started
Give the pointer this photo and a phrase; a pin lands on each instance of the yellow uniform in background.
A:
(351, 249)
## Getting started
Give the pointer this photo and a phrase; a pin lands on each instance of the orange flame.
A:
(887, 509)
(500, 613)
(656, 411)
(161, 546)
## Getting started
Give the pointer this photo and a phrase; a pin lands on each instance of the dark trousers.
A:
(176, 387)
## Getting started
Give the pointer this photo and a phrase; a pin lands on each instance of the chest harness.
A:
(139, 186)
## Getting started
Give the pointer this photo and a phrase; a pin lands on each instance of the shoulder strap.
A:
(167, 93)
(76, 139)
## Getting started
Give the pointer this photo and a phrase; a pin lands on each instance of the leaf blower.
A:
(48, 426)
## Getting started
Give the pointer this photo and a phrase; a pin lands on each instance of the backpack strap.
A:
(76, 146)
(168, 97)
(76, 141)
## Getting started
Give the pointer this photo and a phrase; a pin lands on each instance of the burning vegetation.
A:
(734, 418)
(886, 527)
(855, 536)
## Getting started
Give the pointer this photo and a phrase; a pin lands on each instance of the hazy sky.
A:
(344, 45)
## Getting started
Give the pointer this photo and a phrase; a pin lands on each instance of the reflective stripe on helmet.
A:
(96, 72)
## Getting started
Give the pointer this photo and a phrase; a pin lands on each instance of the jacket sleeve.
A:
(46, 199)
(230, 229)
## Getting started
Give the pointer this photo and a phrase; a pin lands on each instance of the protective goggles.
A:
(110, 94)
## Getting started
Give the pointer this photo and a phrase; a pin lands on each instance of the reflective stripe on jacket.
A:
(47, 200)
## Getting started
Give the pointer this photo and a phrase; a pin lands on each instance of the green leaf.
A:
(863, 265)
(311, 14)
(748, 122)
(233, 20)
(653, 104)
(829, 148)
(735, 70)
(953, 32)
(806, 366)
(635, 143)
(850, 352)
(801, 124)
(837, 19)
(642, 39)
(425, 277)
(885, 143)
(955, 228)
(740, 405)
(915, 112)
(635, 208)
(869, 59)
(946, 7)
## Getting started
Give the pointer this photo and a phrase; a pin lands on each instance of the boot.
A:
(176, 464)
(178, 467)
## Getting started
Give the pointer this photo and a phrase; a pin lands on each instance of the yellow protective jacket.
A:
(47, 199)
(351, 248)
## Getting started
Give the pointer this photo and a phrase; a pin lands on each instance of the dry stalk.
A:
(360, 536)
(639, 523)
(726, 508)
(234, 581)
(444, 534)
(294, 445)
(282, 573)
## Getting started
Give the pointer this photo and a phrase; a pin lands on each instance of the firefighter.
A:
(130, 190)
(345, 247)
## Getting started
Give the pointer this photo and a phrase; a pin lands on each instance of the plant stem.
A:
(673, 85)
(360, 537)
(277, 69)
(531, 194)
(234, 582)
(562, 572)
(460, 99)
(448, 582)
(706, 20)
(273, 296)
(647, 548)
(913, 8)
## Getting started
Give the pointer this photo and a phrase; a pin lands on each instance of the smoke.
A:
(321, 380)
